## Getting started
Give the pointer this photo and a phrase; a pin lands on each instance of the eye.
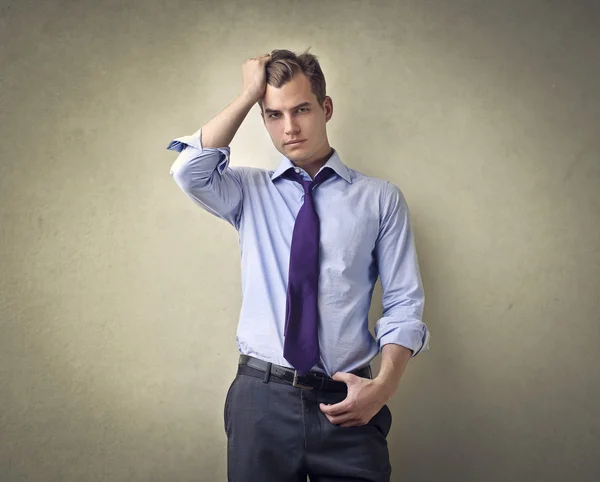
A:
(301, 109)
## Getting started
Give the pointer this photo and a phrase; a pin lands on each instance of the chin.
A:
(299, 160)
(294, 156)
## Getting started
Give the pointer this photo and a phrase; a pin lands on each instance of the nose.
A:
(291, 127)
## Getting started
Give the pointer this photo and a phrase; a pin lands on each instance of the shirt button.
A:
(297, 170)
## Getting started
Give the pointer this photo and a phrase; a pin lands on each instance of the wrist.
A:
(248, 98)
(386, 386)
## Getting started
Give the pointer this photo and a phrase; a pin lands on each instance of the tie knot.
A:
(308, 184)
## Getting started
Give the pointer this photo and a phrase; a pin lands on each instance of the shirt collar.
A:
(334, 162)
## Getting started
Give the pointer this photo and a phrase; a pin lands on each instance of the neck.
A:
(313, 167)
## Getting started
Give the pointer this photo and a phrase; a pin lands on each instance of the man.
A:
(314, 236)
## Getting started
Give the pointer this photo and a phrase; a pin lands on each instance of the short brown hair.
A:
(284, 64)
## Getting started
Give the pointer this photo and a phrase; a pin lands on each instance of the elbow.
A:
(188, 180)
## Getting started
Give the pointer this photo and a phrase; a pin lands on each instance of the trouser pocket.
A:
(227, 404)
(382, 420)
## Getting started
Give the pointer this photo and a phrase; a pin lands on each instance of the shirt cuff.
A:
(416, 339)
(180, 143)
(195, 141)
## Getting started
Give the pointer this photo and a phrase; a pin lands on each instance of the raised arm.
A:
(202, 168)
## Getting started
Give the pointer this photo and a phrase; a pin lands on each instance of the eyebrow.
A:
(270, 111)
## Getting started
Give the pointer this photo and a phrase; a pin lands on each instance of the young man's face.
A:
(293, 113)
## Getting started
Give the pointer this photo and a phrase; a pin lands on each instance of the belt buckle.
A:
(298, 385)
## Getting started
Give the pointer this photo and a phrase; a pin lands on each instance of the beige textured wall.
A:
(119, 297)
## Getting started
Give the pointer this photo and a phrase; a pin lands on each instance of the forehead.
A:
(294, 92)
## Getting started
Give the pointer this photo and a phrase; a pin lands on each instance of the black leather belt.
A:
(249, 365)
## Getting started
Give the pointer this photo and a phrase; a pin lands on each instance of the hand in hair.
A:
(254, 77)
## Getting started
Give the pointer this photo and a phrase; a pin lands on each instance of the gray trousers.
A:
(278, 433)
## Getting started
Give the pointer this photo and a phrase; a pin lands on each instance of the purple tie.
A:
(301, 345)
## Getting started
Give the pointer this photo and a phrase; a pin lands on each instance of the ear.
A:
(328, 108)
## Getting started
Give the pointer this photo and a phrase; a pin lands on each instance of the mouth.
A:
(295, 143)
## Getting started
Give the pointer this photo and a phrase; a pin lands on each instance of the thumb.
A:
(347, 378)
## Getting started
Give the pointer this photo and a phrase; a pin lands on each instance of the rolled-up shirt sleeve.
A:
(204, 174)
(402, 290)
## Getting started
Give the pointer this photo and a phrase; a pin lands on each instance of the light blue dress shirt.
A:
(365, 233)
